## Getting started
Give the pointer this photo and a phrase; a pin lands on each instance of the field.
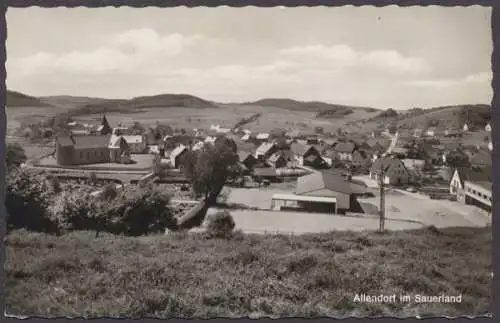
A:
(28, 114)
(227, 116)
(248, 275)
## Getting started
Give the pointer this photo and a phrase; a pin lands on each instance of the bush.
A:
(27, 202)
(138, 211)
(76, 211)
(220, 224)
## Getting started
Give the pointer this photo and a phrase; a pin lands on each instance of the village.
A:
(295, 182)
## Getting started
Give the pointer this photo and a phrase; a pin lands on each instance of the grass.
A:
(183, 275)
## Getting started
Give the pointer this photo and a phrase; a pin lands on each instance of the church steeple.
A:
(105, 128)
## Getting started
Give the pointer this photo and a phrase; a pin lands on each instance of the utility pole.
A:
(382, 197)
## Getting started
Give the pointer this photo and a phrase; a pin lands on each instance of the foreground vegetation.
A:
(196, 275)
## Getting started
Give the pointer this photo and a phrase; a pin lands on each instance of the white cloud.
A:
(483, 78)
(134, 50)
(343, 56)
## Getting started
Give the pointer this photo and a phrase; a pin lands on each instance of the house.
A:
(315, 161)
(303, 151)
(417, 133)
(490, 146)
(360, 158)
(119, 150)
(462, 174)
(329, 156)
(137, 143)
(277, 160)
(177, 155)
(330, 185)
(488, 128)
(247, 159)
(483, 158)
(198, 145)
(400, 152)
(265, 151)
(465, 128)
(395, 172)
(80, 150)
(345, 150)
(414, 164)
(375, 145)
(246, 137)
(430, 132)
(262, 136)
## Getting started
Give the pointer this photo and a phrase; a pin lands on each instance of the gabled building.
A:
(302, 152)
(136, 143)
(247, 159)
(265, 151)
(277, 160)
(345, 150)
(462, 174)
(80, 150)
(488, 127)
(119, 150)
(395, 172)
(360, 158)
(176, 156)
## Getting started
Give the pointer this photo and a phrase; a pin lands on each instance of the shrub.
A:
(138, 211)
(220, 224)
(27, 202)
(76, 211)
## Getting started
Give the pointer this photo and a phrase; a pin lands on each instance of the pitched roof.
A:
(327, 180)
(388, 164)
(177, 151)
(85, 142)
(473, 175)
(345, 147)
(133, 139)
(264, 172)
(265, 147)
(243, 155)
(262, 136)
(275, 157)
(118, 142)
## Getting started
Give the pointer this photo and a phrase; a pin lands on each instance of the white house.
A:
(431, 132)
(465, 128)
(490, 146)
(176, 154)
(488, 127)
(262, 136)
(136, 143)
(463, 174)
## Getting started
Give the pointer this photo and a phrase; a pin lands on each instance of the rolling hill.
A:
(16, 99)
(70, 101)
(322, 109)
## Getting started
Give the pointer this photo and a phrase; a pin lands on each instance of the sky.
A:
(388, 57)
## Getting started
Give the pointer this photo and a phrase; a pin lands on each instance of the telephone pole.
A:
(382, 197)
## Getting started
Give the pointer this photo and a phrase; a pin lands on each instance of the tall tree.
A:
(209, 168)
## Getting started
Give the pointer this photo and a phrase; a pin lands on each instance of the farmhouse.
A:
(345, 150)
(302, 152)
(79, 150)
(360, 158)
(119, 150)
(176, 156)
(247, 159)
(395, 171)
(277, 160)
(265, 151)
(137, 143)
(324, 192)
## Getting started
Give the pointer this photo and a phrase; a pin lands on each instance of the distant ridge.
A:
(323, 110)
(16, 100)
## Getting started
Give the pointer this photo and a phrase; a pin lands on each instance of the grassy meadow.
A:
(190, 275)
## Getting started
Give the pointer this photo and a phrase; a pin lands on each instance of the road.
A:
(394, 141)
